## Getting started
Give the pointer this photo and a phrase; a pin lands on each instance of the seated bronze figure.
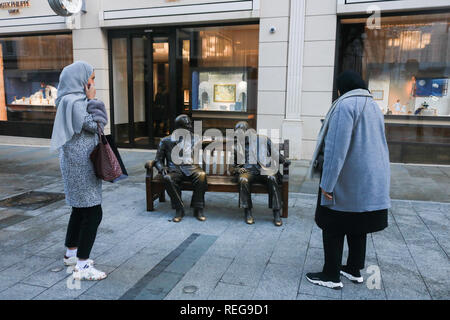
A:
(173, 174)
(248, 173)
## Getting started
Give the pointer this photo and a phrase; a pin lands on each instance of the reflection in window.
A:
(120, 81)
(224, 91)
(29, 76)
(220, 64)
(405, 62)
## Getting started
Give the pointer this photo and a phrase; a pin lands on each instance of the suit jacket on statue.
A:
(252, 155)
(164, 156)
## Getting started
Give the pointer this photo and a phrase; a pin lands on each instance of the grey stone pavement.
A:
(149, 257)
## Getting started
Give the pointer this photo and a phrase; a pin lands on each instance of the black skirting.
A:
(350, 222)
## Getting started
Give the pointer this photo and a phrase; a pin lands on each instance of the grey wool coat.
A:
(82, 188)
(356, 166)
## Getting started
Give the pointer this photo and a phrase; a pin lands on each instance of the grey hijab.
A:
(71, 103)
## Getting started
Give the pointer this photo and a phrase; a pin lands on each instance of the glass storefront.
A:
(209, 73)
(222, 74)
(406, 65)
(29, 75)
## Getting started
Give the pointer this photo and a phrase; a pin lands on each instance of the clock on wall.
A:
(66, 7)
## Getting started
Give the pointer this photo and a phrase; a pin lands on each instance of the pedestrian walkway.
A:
(149, 257)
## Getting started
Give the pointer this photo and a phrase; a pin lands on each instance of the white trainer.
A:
(72, 261)
(89, 273)
(352, 278)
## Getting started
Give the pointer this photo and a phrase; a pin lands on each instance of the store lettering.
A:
(14, 6)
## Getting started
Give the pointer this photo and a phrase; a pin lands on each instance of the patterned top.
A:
(82, 188)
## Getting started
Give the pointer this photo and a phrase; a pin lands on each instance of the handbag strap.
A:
(101, 135)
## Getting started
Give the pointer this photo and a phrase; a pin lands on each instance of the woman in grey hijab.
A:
(78, 117)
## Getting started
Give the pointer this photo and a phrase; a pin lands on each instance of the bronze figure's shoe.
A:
(179, 215)
(276, 218)
(248, 217)
(198, 213)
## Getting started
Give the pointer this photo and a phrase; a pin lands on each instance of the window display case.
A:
(219, 90)
(406, 65)
(220, 74)
(31, 95)
(29, 76)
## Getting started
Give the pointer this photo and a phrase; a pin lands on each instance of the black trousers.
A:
(333, 245)
(245, 189)
(173, 181)
(82, 229)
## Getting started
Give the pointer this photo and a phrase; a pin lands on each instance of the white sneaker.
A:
(322, 280)
(352, 275)
(352, 278)
(89, 273)
(72, 261)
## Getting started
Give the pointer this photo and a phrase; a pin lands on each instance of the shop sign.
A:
(14, 7)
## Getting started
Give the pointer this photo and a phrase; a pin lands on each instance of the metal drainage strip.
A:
(144, 289)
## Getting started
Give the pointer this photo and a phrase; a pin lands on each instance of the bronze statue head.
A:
(184, 122)
(242, 125)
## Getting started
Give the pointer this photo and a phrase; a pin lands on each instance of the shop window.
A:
(223, 64)
(406, 63)
(29, 74)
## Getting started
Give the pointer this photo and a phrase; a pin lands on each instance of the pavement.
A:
(147, 256)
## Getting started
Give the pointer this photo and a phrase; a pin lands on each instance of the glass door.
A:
(119, 66)
(141, 132)
(141, 79)
(130, 86)
(160, 99)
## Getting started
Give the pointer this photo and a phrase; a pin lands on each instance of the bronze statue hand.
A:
(163, 172)
(242, 170)
(287, 162)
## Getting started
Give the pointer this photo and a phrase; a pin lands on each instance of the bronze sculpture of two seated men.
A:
(246, 172)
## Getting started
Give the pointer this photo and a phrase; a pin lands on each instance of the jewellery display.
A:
(38, 98)
(224, 90)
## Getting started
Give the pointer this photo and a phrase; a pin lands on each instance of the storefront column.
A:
(90, 44)
(292, 123)
(318, 69)
(273, 46)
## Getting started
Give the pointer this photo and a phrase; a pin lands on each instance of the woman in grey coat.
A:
(74, 134)
(354, 188)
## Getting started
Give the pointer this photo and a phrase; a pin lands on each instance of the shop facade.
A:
(402, 50)
(271, 63)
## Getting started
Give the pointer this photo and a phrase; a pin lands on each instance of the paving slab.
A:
(279, 282)
(205, 275)
(226, 291)
(49, 275)
(21, 291)
(243, 274)
(401, 279)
